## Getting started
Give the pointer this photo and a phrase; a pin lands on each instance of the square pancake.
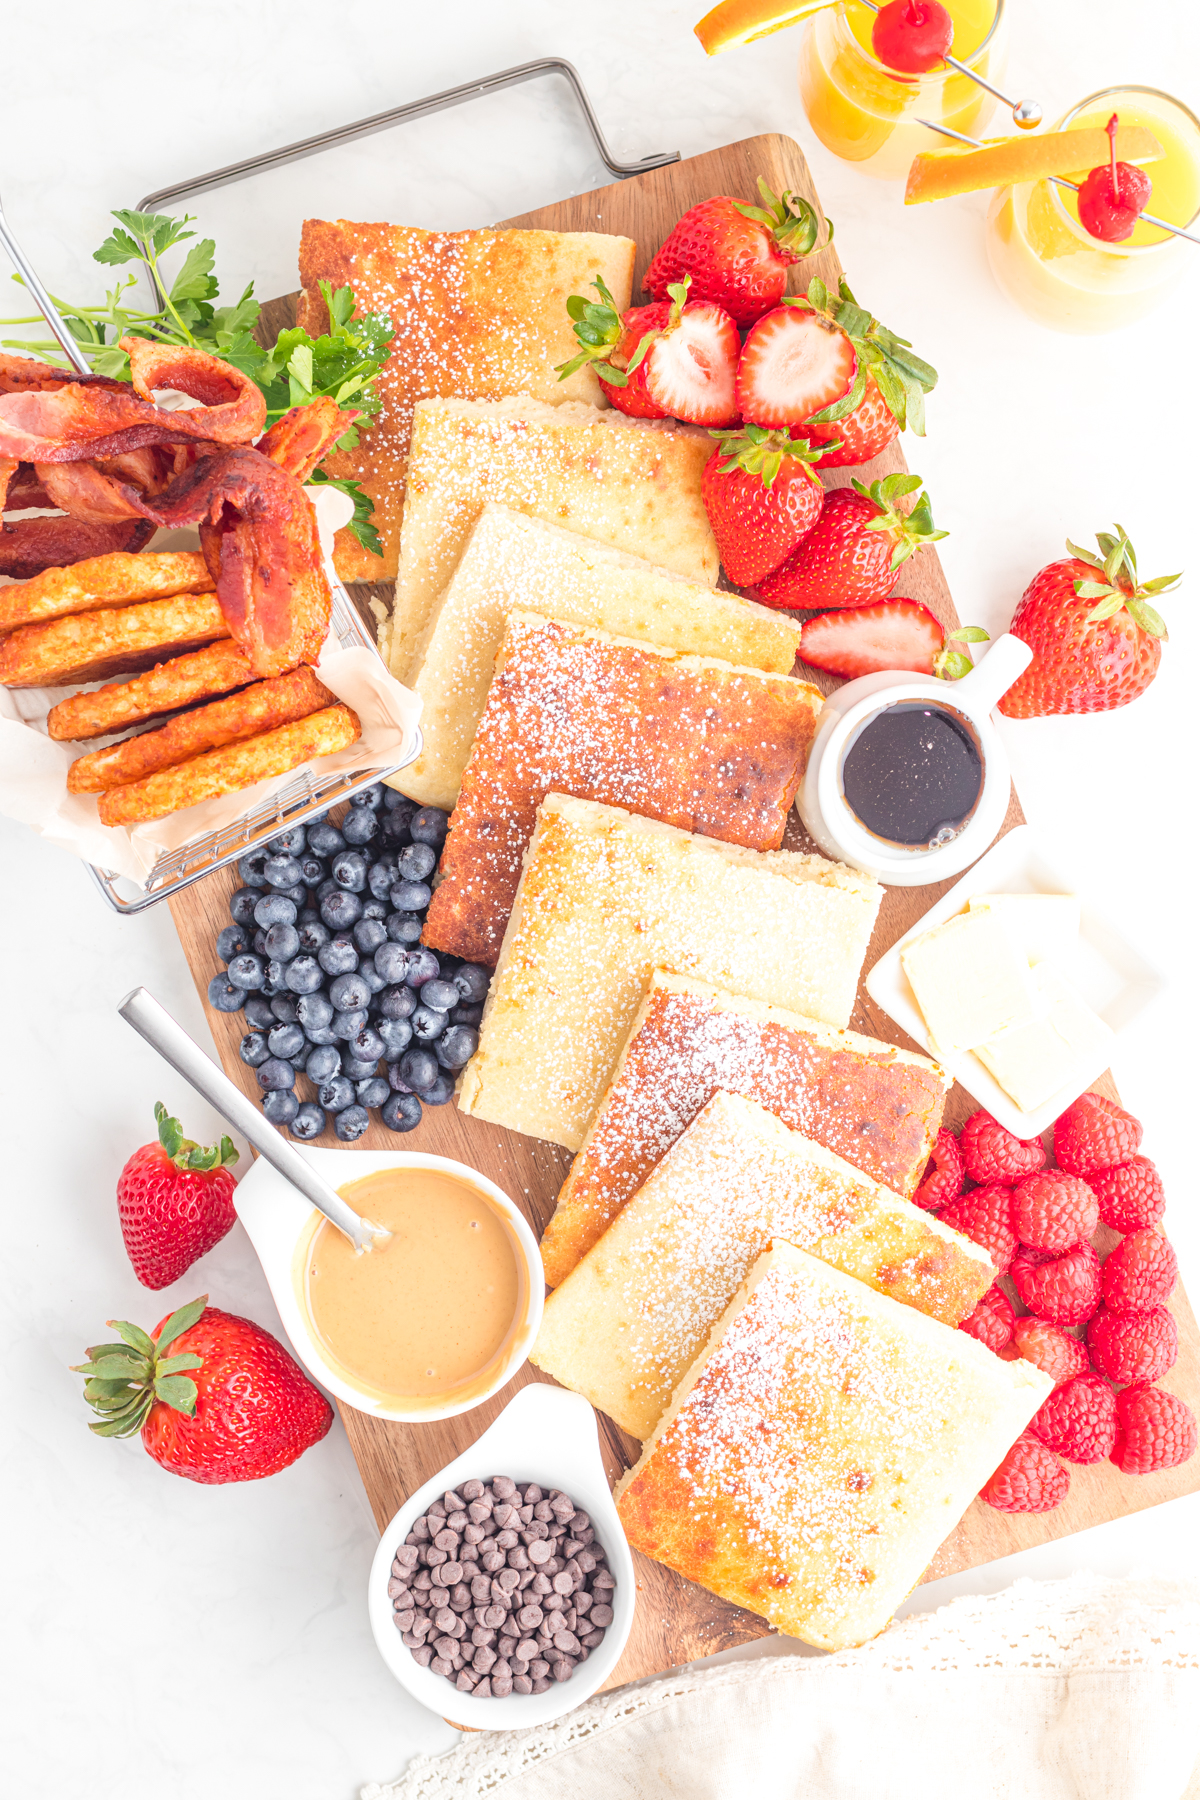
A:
(511, 560)
(824, 1444)
(477, 314)
(632, 483)
(634, 1314)
(117, 579)
(605, 899)
(91, 646)
(876, 1106)
(180, 681)
(688, 740)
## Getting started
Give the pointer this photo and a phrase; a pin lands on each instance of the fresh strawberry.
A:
(1131, 1194)
(1133, 1346)
(985, 1215)
(1063, 1290)
(944, 1173)
(243, 1410)
(887, 394)
(1055, 1211)
(912, 35)
(673, 359)
(737, 255)
(1155, 1430)
(993, 1154)
(761, 497)
(1055, 1352)
(1094, 1133)
(1140, 1273)
(857, 438)
(1112, 195)
(792, 365)
(892, 634)
(175, 1201)
(1096, 639)
(991, 1323)
(1030, 1479)
(1079, 1420)
(854, 552)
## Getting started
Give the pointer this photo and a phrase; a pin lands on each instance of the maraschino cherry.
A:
(1112, 195)
(912, 36)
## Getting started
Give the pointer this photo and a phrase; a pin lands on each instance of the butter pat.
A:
(1065, 1046)
(1042, 926)
(970, 981)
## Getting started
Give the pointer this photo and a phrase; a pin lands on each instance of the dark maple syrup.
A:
(913, 774)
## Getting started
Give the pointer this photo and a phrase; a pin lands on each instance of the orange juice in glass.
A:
(864, 112)
(1067, 279)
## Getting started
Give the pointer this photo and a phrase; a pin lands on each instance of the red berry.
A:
(992, 1320)
(1108, 215)
(736, 255)
(913, 36)
(944, 1172)
(1094, 1133)
(1155, 1430)
(1130, 1194)
(1056, 1354)
(1065, 1290)
(761, 496)
(1079, 1420)
(860, 436)
(1055, 1211)
(986, 1216)
(1030, 1479)
(1133, 1346)
(793, 363)
(174, 1201)
(1140, 1272)
(993, 1154)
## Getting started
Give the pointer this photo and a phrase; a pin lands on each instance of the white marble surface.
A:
(172, 1639)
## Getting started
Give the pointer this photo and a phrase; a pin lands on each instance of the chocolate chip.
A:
(592, 1638)
(477, 1512)
(533, 1494)
(396, 1589)
(564, 1583)
(518, 1557)
(471, 1490)
(563, 1669)
(484, 1689)
(483, 1659)
(526, 1650)
(541, 1685)
(507, 1539)
(502, 1485)
(495, 1616)
(567, 1642)
(509, 1579)
(602, 1615)
(492, 1561)
(543, 1511)
(456, 1521)
(451, 1502)
(603, 1580)
(522, 1684)
(410, 1640)
(405, 1557)
(539, 1668)
(465, 1681)
(540, 1551)
(481, 1636)
(441, 1665)
(529, 1618)
(403, 1621)
(447, 1540)
(501, 1687)
(423, 1656)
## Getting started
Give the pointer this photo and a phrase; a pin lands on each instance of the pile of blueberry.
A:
(324, 956)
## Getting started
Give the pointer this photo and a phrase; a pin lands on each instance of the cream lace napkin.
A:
(1084, 1689)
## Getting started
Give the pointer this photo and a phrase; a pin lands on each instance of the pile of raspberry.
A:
(1099, 1326)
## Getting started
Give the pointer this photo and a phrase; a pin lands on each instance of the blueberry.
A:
(366, 1045)
(288, 1042)
(349, 870)
(401, 1112)
(472, 982)
(224, 996)
(312, 870)
(397, 1002)
(282, 941)
(423, 966)
(336, 1093)
(259, 1014)
(308, 915)
(242, 905)
(462, 1014)
(304, 975)
(419, 1069)
(348, 992)
(368, 934)
(411, 896)
(457, 1046)
(376, 909)
(439, 1093)
(319, 1034)
(393, 832)
(298, 895)
(341, 910)
(429, 827)
(347, 1025)
(259, 945)
(309, 1122)
(233, 939)
(381, 878)
(253, 1049)
(417, 862)
(374, 1091)
(439, 993)
(391, 961)
(284, 1010)
(325, 840)
(338, 956)
(314, 1009)
(373, 978)
(395, 801)
(280, 1106)
(290, 841)
(368, 796)
(403, 928)
(354, 1068)
(322, 1062)
(360, 825)
(269, 987)
(351, 1123)
(275, 1074)
(246, 971)
(312, 935)
(429, 1023)
(275, 909)
(328, 886)
(250, 868)
(396, 1035)
(283, 871)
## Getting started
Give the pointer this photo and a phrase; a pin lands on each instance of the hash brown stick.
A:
(120, 640)
(236, 766)
(262, 707)
(179, 681)
(117, 579)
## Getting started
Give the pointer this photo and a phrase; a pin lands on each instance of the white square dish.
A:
(1113, 978)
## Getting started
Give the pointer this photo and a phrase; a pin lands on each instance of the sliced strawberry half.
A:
(892, 634)
(691, 370)
(793, 364)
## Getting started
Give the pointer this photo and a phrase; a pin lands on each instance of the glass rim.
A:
(946, 73)
(1073, 224)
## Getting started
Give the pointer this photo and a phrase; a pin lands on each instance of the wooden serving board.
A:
(677, 1621)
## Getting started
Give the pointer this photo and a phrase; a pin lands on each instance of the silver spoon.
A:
(1027, 114)
(152, 1021)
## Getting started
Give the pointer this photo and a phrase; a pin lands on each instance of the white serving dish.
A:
(1113, 978)
(278, 1220)
(547, 1435)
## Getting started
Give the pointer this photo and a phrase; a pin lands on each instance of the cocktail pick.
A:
(41, 298)
(1027, 114)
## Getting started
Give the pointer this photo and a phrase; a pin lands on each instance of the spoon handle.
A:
(152, 1021)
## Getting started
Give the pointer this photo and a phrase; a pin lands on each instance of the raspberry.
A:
(993, 1154)
(944, 1173)
(1079, 1420)
(1133, 1346)
(1056, 1354)
(985, 1215)
(992, 1321)
(1094, 1134)
(1140, 1272)
(1054, 1211)
(1030, 1479)
(1064, 1290)
(1155, 1430)
(1130, 1194)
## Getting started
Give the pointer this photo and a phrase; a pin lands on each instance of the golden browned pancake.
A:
(478, 314)
(118, 579)
(823, 1445)
(877, 1106)
(168, 686)
(91, 646)
(686, 739)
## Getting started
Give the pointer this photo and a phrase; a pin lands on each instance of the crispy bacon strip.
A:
(32, 545)
(24, 375)
(299, 440)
